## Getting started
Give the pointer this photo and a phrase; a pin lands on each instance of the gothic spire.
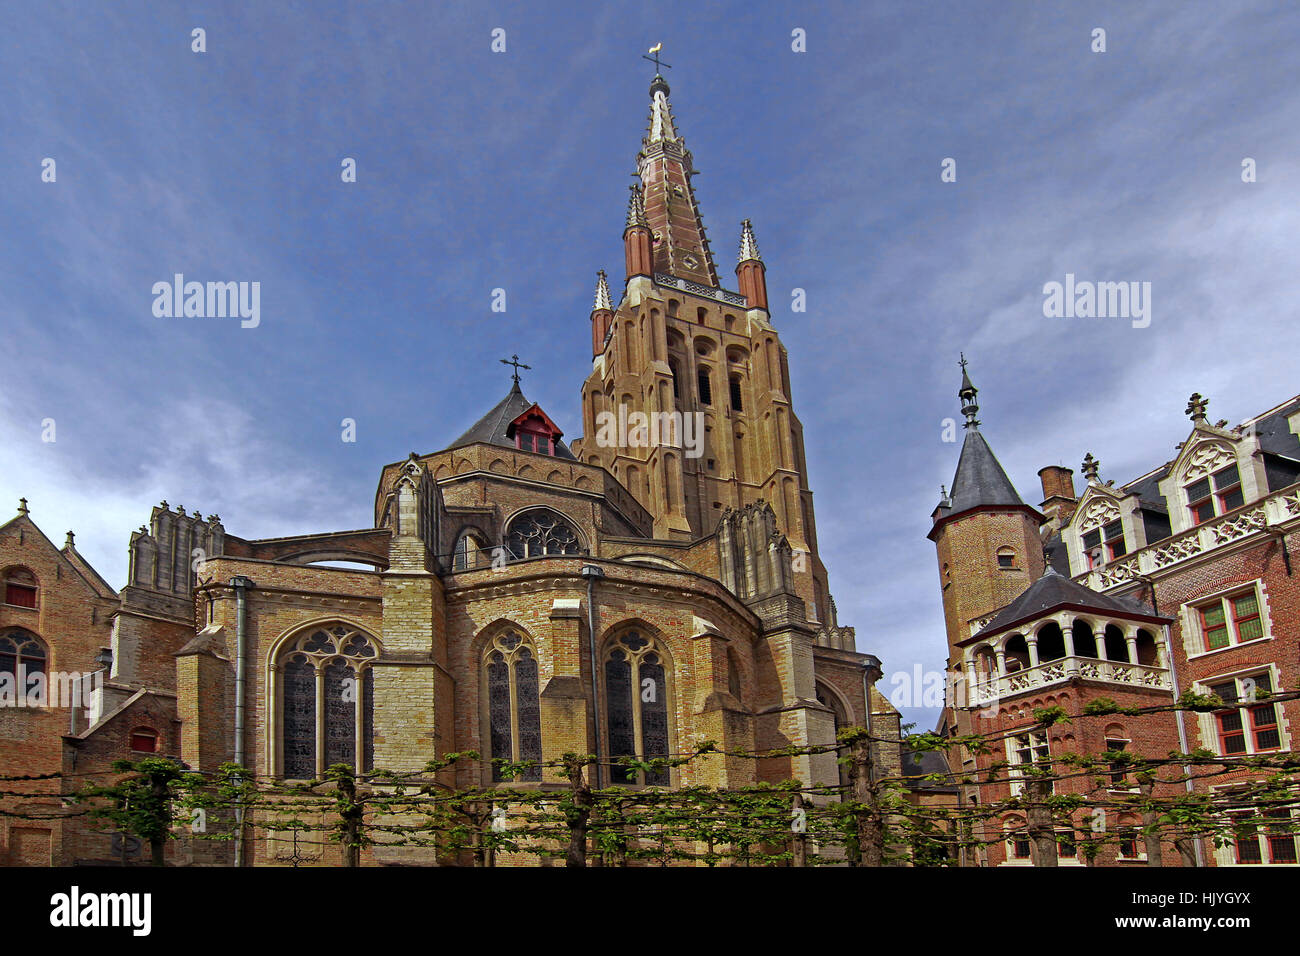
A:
(748, 245)
(967, 394)
(602, 293)
(666, 168)
(635, 206)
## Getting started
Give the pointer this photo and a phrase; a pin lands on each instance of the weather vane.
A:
(514, 360)
(655, 59)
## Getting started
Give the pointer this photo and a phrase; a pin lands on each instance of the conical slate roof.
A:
(1053, 591)
(491, 428)
(979, 479)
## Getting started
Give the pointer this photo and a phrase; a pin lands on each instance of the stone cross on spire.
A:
(514, 360)
(1090, 467)
(1196, 408)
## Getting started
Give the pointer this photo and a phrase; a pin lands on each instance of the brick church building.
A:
(516, 594)
(1178, 580)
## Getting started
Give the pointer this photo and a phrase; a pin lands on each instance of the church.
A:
(521, 593)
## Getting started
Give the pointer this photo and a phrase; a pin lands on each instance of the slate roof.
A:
(1053, 590)
(919, 763)
(979, 479)
(491, 428)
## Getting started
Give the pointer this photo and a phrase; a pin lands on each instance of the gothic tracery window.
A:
(636, 695)
(540, 532)
(513, 705)
(327, 701)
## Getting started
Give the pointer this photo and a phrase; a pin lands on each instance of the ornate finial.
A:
(636, 207)
(1090, 467)
(22, 506)
(69, 542)
(602, 293)
(748, 245)
(514, 360)
(944, 500)
(967, 394)
(1196, 408)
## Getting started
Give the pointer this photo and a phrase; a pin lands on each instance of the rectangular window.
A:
(1065, 848)
(20, 595)
(1246, 842)
(525, 441)
(737, 404)
(1113, 533)
(1229, 620)
(1215, 495)
(1280, 834)
(1020, 846)
(1006, 560)
(706, 388)
(1247, 730)
(1214, 626)
(1092, 548)
(1022, 750)
(1245, 617)
(1118, 773)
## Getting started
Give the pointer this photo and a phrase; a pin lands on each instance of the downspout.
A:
(241, 585)
(591, 572)
(1182, 730)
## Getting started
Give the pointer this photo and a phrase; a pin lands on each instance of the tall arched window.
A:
(636, 695)
(513, 708)
(541, 532)
(328, 701)
(469, 553)
(22, 668)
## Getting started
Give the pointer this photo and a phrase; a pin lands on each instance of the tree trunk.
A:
(1150, 834)
(866, 796)
(578, 814)
(799, 842)
(1041, 827)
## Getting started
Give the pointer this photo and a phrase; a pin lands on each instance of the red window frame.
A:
(1228, 609)
(141, 736)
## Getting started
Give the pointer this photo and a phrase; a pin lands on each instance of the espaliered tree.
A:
(870, 822)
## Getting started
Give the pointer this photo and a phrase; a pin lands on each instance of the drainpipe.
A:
(1182, 730)
(872, 663)
(591, 572)
(241, 585)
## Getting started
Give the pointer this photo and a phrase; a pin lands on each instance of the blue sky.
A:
(479, 170)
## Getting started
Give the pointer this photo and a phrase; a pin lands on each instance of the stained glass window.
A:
(340, 690)
(513, 705)
(618, 701)
(499, 710)
(636, 696)
(299, 718)
(328, 688)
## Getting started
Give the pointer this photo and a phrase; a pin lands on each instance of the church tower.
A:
(677, 345)
(986, 537)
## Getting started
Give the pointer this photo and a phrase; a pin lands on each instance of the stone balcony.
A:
(1256, 519)
(1064, 669)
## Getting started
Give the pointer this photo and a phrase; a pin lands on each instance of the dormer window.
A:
(534, 432)
(1214, 495)
(1104, 544)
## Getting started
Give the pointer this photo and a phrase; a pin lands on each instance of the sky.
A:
(478, 170)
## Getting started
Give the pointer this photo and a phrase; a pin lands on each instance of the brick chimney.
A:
(1059, 499)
